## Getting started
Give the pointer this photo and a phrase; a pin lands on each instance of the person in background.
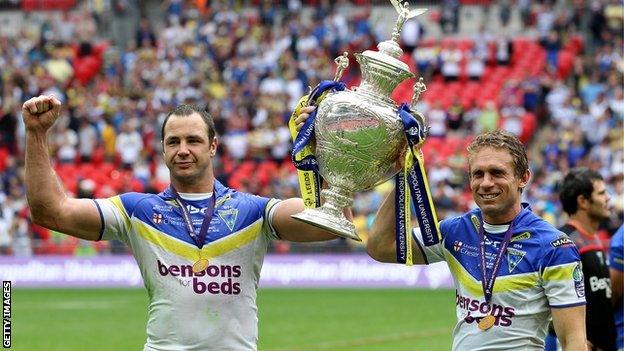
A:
(584, 198)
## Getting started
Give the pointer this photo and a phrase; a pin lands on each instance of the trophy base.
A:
(339, 226)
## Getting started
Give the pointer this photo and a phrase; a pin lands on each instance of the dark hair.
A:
(187, 110)
(579, 181)
(502, 139)
(85, 49)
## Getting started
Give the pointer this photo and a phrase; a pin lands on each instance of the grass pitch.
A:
(290, 319)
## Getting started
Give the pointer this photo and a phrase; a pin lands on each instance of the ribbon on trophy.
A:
(302, 155)
(414, 178)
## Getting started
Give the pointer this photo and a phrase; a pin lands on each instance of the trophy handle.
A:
(419, 88)
(342, 62)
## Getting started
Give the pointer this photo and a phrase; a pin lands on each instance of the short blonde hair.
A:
(502, 139)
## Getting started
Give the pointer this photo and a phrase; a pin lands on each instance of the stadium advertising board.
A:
(349, 271)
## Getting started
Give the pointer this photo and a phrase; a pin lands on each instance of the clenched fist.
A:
(40, 113)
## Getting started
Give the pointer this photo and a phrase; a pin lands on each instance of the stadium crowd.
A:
(557, 84)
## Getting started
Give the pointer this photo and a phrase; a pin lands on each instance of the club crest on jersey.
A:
(457, 245)
(157, 218)
(514, 257)
(229, 217)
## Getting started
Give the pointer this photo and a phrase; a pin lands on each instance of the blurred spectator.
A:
(475, 66)
(449, 18)
(145, 34)
(65, 142)
(451, 58)
(503, 50)
(488, 120)
(129, 144)
(87, 140)
(87, 61)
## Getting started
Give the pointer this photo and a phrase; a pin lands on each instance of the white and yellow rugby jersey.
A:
(214, 309)
(539, 271)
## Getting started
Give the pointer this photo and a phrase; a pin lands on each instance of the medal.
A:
(199, 239)
(200, 265)
(487, 322)
(487, 282)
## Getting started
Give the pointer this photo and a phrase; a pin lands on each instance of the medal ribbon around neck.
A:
(198, 238)
(487, 283)
(302, 155)
(414, 178)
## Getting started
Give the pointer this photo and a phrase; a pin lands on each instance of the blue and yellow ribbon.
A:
(302, 154)
(414, 177)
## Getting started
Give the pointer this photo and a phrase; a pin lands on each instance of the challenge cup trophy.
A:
(359, 134)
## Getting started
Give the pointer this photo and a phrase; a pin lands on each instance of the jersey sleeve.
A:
(269, 211)
(561, 273)
(432, 253)
(116, 212)
(267, 207)
(616, 259)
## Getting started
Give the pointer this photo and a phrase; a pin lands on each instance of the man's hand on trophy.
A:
(303, 116)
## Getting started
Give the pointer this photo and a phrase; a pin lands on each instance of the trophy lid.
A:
(389, 50)
(384, 66)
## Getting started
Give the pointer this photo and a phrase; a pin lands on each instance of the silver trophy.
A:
(359, 136)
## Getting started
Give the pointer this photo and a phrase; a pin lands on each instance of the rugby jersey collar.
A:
(219, 191)
(520, 223)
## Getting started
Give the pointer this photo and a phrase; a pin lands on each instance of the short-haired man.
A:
(583, 195)
(512, 270)
(199, 245)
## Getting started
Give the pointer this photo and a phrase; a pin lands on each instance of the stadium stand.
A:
(550, 73)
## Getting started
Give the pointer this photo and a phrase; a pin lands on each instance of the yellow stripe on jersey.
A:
(189, 251)
(560, 272)
(233, 241)
(503, 284)
(116, 201)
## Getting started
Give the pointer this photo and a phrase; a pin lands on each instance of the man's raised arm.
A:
(50, 207)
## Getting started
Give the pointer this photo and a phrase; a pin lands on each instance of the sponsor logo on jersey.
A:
(494, 243)
(577, 276)
(503, 314)
(596, 284)
(523, 236)
(465, 249)
(157, 218)
(562, 241)
(514, 256)
(162, 208)
(215, 279)
(229, 217)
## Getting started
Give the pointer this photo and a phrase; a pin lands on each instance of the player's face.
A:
(187, 150)
(598, 206)
(495, 187)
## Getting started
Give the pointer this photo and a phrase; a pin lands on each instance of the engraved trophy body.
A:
(359, 136)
